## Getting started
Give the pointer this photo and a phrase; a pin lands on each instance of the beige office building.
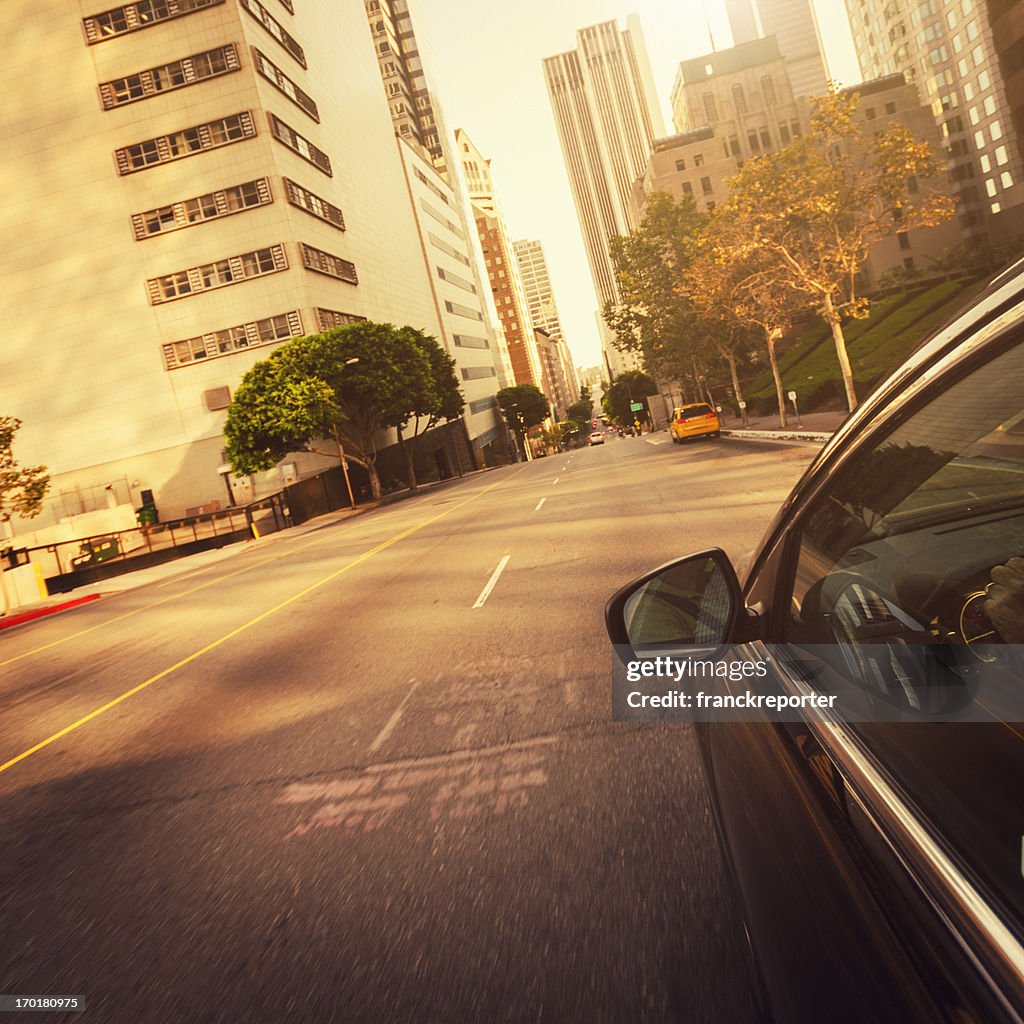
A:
(202, 180)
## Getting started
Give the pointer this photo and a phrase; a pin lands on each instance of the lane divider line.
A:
(220, 641)
(486, 592)
(539, 503)
(555, 481)
(188, 593)
(389, 726)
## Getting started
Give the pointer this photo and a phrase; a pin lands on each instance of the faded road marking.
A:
(539, 503)
(486, 592)
(389, 727)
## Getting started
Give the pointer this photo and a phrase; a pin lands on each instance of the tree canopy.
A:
(22, 488)
(629, 387)
(349, 384)
(523, 406)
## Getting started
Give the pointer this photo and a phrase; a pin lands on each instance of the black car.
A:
(879, 857)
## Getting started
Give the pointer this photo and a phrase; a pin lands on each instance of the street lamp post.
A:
(341, 451)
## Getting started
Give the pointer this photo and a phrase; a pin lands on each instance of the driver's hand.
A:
(1005, 604)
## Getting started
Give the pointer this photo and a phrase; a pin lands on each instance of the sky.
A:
(484, 60)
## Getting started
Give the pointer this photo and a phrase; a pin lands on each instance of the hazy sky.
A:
(484, 57)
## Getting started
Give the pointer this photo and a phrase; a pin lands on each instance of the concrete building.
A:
(557, 374)
(500, 264)
(947, 49)
(540, 298)
(795, 27)
(607, 117)
(220, 176)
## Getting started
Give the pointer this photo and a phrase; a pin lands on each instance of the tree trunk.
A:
(409, 453)
(375, 488)
(730, 358)
(772, 335)
(833, 320)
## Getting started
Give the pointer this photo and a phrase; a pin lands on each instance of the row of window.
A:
(482, 404)
(459, 282)
(327, 263)
(328, 318)
(218, 274)
(222, 203)
(468, 341)
(441, 218)
(477, 372)
(280, 81)
(437, 190)
(313, 204)
(165, 77)
(188, 141)
(449, 249)
(141, 14)
(233, 339)
(299, 144)
(466, 311)
(275, 28)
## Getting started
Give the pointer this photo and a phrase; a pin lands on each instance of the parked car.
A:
(597, 437)
(696, 420)
(878, 861)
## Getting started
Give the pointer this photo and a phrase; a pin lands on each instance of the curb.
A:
(779, 435)
(8, 621)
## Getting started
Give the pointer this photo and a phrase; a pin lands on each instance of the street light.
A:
(341, 452)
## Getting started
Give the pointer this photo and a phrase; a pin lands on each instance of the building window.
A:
(710, 108)
(280, 81)
(328, 318)
(904, 239)
(752, 142)
(784, 136)
(187, 212)
(233, 339)
(680, 165)
(436, 189)
(687, 188)
(459, 282)
(133, 17)
(483, 404)
(300, 145)
(450, 250)
(186, 142)
(441, 219)
(466, 311)
(218, 274)
(468, 341)
(698, 160)
(274, 27)
(705, 185)
(177, 74)
(313, 204)
(326, 263)
(477, 372)
(739, 100)
(768, 91)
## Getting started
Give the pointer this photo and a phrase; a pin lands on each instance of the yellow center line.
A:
(384, 545)
(184, 593)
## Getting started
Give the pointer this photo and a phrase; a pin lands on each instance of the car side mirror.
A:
(693, 601)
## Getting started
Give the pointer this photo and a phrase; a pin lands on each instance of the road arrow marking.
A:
(486, 592)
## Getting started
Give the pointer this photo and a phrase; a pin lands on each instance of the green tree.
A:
(22, 488)
(818, 206)
(629, 387)
(349, 383)
(523, 406)
(434, 395)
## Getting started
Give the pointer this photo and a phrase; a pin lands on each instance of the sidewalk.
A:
(814, 426)
(167, 571)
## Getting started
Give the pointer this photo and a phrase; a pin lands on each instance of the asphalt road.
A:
(333, 778)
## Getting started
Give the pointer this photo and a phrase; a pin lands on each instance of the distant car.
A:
(696, 420)
(597, 437)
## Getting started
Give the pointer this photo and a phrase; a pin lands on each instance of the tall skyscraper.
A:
(946, 48)
(533, 270)
(607, 116)
(202, 181)
(794, 25)
(500, 263)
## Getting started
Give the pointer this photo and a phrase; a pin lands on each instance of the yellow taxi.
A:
(697, 420)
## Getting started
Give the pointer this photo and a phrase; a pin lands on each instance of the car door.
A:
(879, 854)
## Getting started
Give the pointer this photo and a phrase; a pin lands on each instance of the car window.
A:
(694, 410)
(916, 548)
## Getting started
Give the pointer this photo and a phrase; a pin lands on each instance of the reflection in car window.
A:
(915, 550)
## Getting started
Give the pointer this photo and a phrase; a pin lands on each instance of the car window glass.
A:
(914, 558)
(694, 410)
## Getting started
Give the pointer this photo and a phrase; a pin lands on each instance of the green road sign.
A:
(635, 406)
